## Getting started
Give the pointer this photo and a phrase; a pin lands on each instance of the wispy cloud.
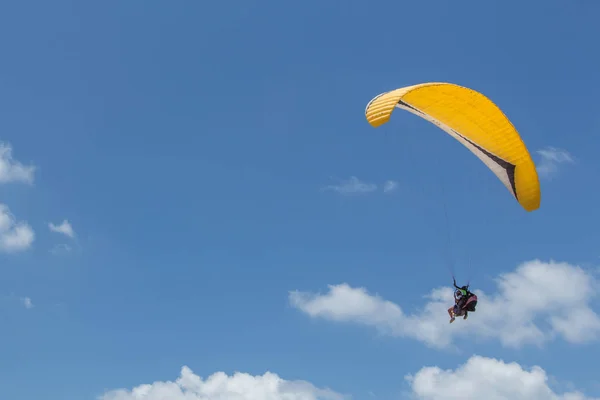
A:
(14, 235)
(65, 228)
(61, 248)
(27, 302)
(551, 157)
(352, 186)
(390, 186)
(12, 170)
(530, 293)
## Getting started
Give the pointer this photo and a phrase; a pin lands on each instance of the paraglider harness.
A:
(467, 301)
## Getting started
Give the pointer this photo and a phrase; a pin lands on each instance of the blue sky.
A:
(188, 145)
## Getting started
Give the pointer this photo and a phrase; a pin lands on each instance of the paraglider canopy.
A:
(476, 122)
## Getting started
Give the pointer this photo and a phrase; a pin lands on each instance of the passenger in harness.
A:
(464, 300)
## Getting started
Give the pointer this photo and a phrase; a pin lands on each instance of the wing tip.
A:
(531, 204)
(379, 110)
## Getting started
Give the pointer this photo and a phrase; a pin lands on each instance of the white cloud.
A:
(27, 302)
(486, 378)
(479, 378)
(551, 158)
(390, 186)
(536, 303)
(14, 235)
(12, 170)
(65, 228)
(352, 186)
(219, 386)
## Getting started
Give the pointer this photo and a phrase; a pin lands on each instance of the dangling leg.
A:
(466, 314)
(451, 313)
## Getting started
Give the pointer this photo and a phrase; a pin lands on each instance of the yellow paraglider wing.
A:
(476, 122)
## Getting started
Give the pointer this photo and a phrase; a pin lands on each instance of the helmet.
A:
(458, 294)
